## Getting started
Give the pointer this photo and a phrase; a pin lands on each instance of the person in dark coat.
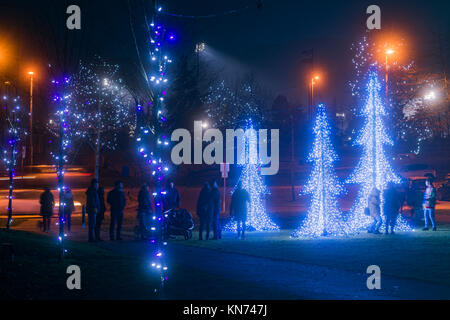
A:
(101, 213)
(391, 207)
(47, 203)
(172, 197)
(92, 207)
(216, 201)
(239, 209)
(117, 201)
(145, 208)
(69, 208)
(204, 210)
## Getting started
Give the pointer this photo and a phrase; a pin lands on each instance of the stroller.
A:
(179, 223)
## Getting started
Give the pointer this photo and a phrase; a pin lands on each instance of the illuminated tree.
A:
(226, 107)
(100, 107)
(16, 132)
(324, 218)
(373, 169)
(257, 218)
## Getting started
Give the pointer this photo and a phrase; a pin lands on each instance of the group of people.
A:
(96, 208)
(209, 207)
(393, 201)
(47, 202)
(208, 210)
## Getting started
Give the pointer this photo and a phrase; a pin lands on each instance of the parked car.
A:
(404, 157)
(417, 171)
(443, 192)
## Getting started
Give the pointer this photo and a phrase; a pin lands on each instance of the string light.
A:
(14, 116)
(100, 106)
(226, 107)
(152, 140)
(373, 169)
(324, 218)
(252, 182)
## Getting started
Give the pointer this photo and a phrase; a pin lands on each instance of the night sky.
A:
(267, 42)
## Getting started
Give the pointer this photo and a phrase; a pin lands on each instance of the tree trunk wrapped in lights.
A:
(10, 153)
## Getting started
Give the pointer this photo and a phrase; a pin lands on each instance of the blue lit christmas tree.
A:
(324, 218)
(257, 218)
(373, 169)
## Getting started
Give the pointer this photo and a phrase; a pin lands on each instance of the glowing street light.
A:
(200, 47)
(429, 96)
(31, 74)
(314, 81)
(388, 53)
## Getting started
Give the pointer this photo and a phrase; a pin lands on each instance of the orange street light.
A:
(388, 52)
(314, 81)
(31, 73)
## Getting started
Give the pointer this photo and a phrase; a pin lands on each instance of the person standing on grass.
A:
(47, 203)
(92, 207)
(239, 209)
(145, 209)
(117, 201)
(391, 206)
(69, 208)
(429, 204)
(204, 210)
(374, 208)
(216, 200)
(172, 197)
(101, 214)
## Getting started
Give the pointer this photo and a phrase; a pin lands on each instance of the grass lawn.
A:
(37, 274)
(416, 255)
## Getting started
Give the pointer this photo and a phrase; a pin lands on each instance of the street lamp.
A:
(429, 96)
(31, 74)
(200, 47)
(314, 81)
(388, 52)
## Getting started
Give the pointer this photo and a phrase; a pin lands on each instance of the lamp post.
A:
(31, 73)
(314, 80)
(387, 54)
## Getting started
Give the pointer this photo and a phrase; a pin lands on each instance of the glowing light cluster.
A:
(63, 132)
(324, 217)
(373, 169)
(257, 218)
(16, 132)
(152, 138)
(227, 107)
(99, 104)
